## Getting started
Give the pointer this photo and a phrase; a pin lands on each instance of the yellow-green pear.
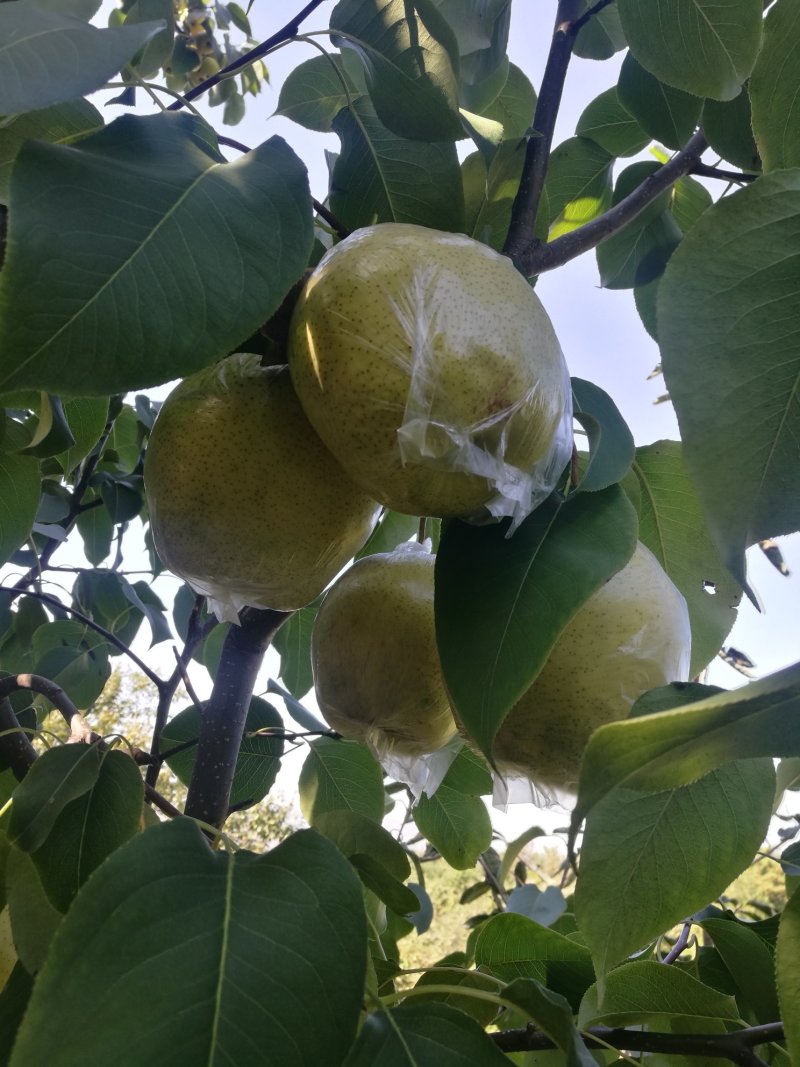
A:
(246, 503)
(630, 636)
(373, 651)
(431, 370)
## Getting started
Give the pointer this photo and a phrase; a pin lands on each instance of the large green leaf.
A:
(424, 1035)
(90, 827)
(34, 920)
(456, 824)
(729, 130)
(410, 58)
(152, 256)
(529, 586)
(601, 35)
(317, 90)
(729, 327)
(87, 418)
(75, 656)
(648, 992)
(578, 184)
(677, 746)
(750, 963)
(773, 88)
(512, 946)
(668, 115)
(787, 965)
(610, 439)
(20, 486)
(380, 177)
(47, 57)
(705, 47)
(293, 643)
(340, 776)
(60, 124)
(230, 958)
(59, 776)
(671, 524)
(611, 125)
(625, 896)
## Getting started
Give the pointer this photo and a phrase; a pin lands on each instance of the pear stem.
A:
(223, 718)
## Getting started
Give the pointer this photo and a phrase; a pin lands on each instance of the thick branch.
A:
(79, 729)
(284, 34)
(736, 1047)
(15, 745)
(538, 257)
(537, 152)
(706, 171)
(223, 718)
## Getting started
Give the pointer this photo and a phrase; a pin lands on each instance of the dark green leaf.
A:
(293, 642)
(553, 1014)
(316, 91)
(688, 200)
(340, 776)
(481, 32)
(773, 89)
(257, 764)
(410, 59)
(58, 776)
(513, 849)
(578, 184)
(469, 774)
(97, 530)
(20, 485)
(610, 440)
(515, 105)
(457, 825)
(141, 595)
(381, 177)
(648, 992)
(645, 297)
(87, 418)
(392, 892)
(75, 657)
(252, 959)
(606, 122)
(47, 57)
(392, 530)
(529, 587)
(513, 946)
(34, 920)
(156, 52)
(668, 115)
(602, 35)
(751, 965)
(729, 130)
(710, 829)
(129, 314)
(456, 974)
(489, 195)
(13, 1002)
(787, 966)
(89, 828)
(704, 47)
(353, 833)
(729, 323)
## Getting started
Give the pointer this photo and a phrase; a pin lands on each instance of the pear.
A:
(373, 651)
(429, 367)
(632, 635)
(246, 503)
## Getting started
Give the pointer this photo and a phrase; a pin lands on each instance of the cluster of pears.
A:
(423, 375)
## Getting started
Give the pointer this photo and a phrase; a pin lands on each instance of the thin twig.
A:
(284, 34)
(595, 9)
(680, 945)
(706, 171)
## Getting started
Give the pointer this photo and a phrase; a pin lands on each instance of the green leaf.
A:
(773, 89)
(710, 829)
(293, 643)
(90, 828)
(676, 747)
(410, 59)
(611, 125)
(253, 959)
(750, 963)
(457, 825)
(59, 124)
(340, 776)
(353, 833)
(468, 774)
(380, 177)
(513, 849)
(316, 91)
(452, 971)
(390, 890)
(688, 200)
(20, 485)
(257, 763)
(553, 1014)
(515, 105)
(544, 906)
(787, 966)
(578, 184)
(47, 57)
(97, 530)
(102, 596)
(648, 992)
(735, 390)
(610, 439)
(84, 9)
(149, 60)
(34, 920)
(58, 776)
(423, 1035)
(75, 657)
(124, 308)
(13, 1002)
(728, 126)
(87, 418)
(668, 115)
(392, 530)
(529, 586)
(705, 47)
(671, 524)
(481, 32)
(512, 946)
(602, 35)
(489, 195)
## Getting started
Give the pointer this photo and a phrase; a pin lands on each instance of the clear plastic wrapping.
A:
(431, 370)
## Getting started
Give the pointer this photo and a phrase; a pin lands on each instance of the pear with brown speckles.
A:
(631, 636)
(246, 503)
(430, 369)
(373, 650)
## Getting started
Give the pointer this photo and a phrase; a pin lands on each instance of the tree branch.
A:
(736, 1047)
(223, 718)
(705, 171)
(284, 34)
(79, 729)
(539, 257)
(595, 9)
(537, 152)
(15, 745)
